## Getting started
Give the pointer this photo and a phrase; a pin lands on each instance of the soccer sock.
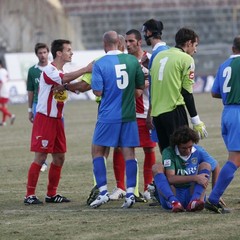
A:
(6, 114)
(149, 160)
(225, 177)
(100, 172)
(198, 188)
(94, 179)
(119, 168)
(33, 174)
(163, 187)
(53, 179)
(131, 174)
(136, 189)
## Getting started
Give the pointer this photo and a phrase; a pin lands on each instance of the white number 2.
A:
(227, 72)
(122, 76)
(161, 69)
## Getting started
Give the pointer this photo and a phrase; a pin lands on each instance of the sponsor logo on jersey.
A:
(60, 96)
(167, 162)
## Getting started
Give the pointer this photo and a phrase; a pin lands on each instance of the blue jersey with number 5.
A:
(227, 81)
(117, 75)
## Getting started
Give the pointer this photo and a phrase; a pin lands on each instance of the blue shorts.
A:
(182, 194)
(154, 136)
(123, 134)
(231, 127)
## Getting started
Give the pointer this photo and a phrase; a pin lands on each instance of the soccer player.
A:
(172, 77)
(226, 86)
(186, 167)
(4, 97)
(34, 72)
(152, 31)
(115, 78)
(48, 134)
(133, 44)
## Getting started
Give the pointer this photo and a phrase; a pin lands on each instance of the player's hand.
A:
(58, 88)
(30, 117)
(199, 127)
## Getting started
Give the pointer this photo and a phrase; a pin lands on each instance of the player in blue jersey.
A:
(186, 167)
(152, 30)
(227, 87)
(115, 78)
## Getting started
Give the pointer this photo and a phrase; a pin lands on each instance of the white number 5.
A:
(122, 76)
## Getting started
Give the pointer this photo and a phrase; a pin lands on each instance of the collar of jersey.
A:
(158, 45)
(114, 52)
(185, 158)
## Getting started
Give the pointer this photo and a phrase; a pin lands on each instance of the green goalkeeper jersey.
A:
(171, 71)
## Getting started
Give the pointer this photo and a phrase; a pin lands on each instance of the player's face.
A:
(185, 149)
(67, 53)
(42, 55)
(192, 47)
(132, 44)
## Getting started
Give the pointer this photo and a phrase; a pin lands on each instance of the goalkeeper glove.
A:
(199, 127)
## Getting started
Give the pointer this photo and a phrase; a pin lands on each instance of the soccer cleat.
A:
(154, 195)
(56, 199)
(13, 117)
(93, 195)
(44, 167)
(217, 208)
(129, 201)
(3, 124)
(147, 195)
(177, 207)
(101, 199)
(32, 200)
(140, 198)
(195, 205)
(117, 194)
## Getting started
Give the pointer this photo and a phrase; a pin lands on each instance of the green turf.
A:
(76, 220)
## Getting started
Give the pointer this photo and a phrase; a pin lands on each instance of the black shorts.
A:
(167, 123)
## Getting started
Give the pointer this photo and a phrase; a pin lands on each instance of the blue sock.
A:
(225, 177)
(198, 188)
(163, 187)
(131, 175)
(100, 173)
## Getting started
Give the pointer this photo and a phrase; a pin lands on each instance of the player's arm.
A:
(177, 179)
(77, 87)
(68, 77)
(30, 104)
(198, 125)
(216, 95)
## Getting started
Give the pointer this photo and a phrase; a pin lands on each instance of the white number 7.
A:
(122, 76)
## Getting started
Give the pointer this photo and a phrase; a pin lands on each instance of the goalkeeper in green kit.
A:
(172, 79)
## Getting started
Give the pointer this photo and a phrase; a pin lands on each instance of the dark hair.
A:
(154, 26)
(183, 135)
(185, 34)
(57, 45)
(39, 46)
(136, 33)
(236, 43)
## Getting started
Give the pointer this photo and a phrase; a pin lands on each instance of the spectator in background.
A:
(34, 72)
(4, 97)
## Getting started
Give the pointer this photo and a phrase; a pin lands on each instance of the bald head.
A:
(110, 41)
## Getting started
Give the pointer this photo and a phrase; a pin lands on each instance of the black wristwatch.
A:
(65, 85)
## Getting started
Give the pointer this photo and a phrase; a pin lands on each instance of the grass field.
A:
(76, 220)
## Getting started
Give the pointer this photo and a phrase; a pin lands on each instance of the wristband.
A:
(29, 110)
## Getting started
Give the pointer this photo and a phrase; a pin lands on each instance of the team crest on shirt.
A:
(194, 160)
(44, 143)
(191, 73)
(61, 96)
(167, 162)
